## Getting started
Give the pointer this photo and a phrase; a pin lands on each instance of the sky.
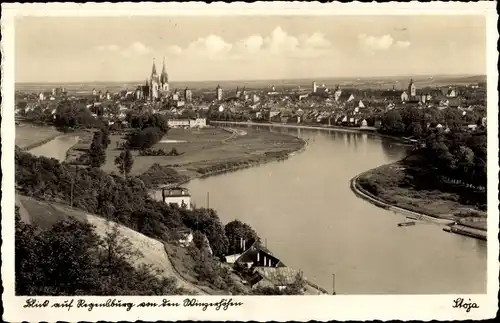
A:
(121, 49)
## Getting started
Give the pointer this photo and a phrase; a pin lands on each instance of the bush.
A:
(369, 186)
(145, 138)
(71, 259)
(173, 152)
(159, 175)
(152, 152)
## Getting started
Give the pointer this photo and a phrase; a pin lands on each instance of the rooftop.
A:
(175, 192)
(281, 276)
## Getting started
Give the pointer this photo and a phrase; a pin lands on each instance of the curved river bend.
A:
(305, 210)
(312, 220)
(56, 148)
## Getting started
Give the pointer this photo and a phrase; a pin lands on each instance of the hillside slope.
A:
(46, 214)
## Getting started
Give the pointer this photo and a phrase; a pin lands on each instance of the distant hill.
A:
(306, 83)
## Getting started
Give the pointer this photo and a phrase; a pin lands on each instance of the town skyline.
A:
(200, 49)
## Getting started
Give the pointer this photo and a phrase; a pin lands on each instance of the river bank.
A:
(206, 152)
(387, 187)
(369, 130)
(30, 136)
(320, 244)
(75, 152)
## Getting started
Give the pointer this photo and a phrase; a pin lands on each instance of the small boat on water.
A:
(413, 217)
(406, 224)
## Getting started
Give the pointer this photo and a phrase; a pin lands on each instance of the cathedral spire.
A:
(153, 72)
(164, 75)
(163, 70)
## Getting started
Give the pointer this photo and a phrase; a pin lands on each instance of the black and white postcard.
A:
(266, 161)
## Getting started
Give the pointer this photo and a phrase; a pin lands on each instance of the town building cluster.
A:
(347, 105)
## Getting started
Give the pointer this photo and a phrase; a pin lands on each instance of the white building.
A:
(198, 123)
(177, 195)
(178, 123)
(187, 123)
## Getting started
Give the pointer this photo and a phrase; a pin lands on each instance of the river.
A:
(305, 210)
(56, 148)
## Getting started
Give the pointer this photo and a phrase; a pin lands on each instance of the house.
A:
(274, 113)
(451, 93)
(346, 96)
(280, 278)
(177, 195)
(198, 123)
(472, 127)
(178, 123)
(186, 237)
(254, 256)
(395, 95)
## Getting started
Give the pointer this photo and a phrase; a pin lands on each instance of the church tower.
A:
(164, 86)
(218, 92)
(412, 89)
(154, 86)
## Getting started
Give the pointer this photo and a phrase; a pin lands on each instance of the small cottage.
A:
(280, 278)
(177, 195)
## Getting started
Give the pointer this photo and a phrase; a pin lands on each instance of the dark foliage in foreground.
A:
(125, 201)
(70, 259)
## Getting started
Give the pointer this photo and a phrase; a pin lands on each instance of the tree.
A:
(393, 122)
(415, 130)
(73, 115)
(145, 138)
(159, 121)
(105, 136)
(453, 118)
(124, 162)
(70, 259)
(208, 223)
(97, 154)
(237, 230)
(56, 261)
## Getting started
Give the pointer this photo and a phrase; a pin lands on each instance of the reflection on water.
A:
(56, 148)
(310, 218)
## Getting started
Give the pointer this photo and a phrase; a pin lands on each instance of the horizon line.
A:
(267, 79)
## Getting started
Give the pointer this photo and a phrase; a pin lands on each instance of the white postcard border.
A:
(297, 308)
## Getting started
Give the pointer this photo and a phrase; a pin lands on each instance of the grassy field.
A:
(400, 184)
(45, 214)
(28, 136)
(204, 148)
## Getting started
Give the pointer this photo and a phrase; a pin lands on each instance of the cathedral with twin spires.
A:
(156, 86)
